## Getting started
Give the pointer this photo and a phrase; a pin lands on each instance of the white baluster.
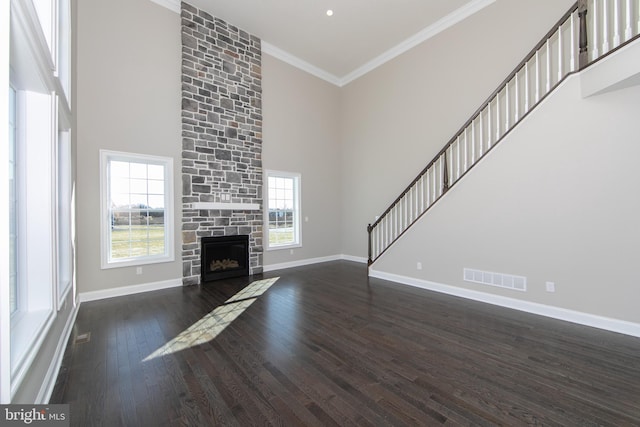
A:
(638, 13)
(560, 53)
(409, 207)
(458, 157)
(605, 26)
(548, 66)
(537, 76)
(526, 88)
(572, 64)
(595, 48)
(434, 182)
(497, 116)
(473, 141)
(507, 109)
(517, 100)
(466, 151)
(481, 135)
(421, 194)
(628, 32)
(489, 125)
(616, 23)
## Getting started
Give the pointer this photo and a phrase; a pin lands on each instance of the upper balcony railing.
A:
(588, 31)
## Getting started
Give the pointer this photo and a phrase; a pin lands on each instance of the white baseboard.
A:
(586, 319)
(129, 290)
(361, 260)
(310, 261)
(49, 381)
(299, 263)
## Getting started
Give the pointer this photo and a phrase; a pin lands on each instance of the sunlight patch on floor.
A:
(211, 325)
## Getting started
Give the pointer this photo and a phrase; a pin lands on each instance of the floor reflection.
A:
(211, 325)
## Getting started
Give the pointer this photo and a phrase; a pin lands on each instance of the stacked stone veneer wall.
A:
(221, 135)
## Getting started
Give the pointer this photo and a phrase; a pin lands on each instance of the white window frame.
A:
(65, 220)
(30, 29)
(297, 223)
(105, 223)
(13, 125)
(36, 133)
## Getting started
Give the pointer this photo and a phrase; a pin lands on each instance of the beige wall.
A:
(301, 134)
(398, 116)
(357, 147)
(128, 87)
(556, 201)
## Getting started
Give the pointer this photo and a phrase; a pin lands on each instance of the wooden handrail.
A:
(419, 203)
(475, 115)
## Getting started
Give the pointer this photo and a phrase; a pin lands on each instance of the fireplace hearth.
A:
(223, 257)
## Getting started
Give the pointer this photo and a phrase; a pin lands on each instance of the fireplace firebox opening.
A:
(223, 257)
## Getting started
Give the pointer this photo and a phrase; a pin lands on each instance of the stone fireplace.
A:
(221, 138)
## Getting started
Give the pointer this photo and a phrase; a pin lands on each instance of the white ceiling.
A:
(360, 35)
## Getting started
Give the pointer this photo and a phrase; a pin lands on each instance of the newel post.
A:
(369, 229)
(583, 40)
(445, 174)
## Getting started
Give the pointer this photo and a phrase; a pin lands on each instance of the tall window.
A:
(283, 210)
(137, 206)
(65, 212)
(13, 204)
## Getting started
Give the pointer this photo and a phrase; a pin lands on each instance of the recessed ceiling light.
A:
(329, 12)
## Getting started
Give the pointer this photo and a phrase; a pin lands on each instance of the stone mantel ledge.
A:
(226, 206)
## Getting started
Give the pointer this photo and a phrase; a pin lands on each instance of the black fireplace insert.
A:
(223, 257)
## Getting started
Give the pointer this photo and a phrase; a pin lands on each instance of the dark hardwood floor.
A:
(324, 346)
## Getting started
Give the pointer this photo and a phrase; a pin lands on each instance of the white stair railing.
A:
(589, 30)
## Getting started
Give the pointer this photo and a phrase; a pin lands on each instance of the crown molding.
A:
(290, 59)
(446, 22)
(432, 30)
(172, 5)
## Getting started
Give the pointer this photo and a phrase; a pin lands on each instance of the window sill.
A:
(137, 262)
(28, 330)
(282, 247)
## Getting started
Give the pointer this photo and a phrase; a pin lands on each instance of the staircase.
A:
(589, 31)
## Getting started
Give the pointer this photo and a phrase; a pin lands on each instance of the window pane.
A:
(156, 172)
(138, 201)
(138, 186)
(138, 170)
(156, 187)
(119, 169)
(283, 216)
(156, 202)
(13, 205)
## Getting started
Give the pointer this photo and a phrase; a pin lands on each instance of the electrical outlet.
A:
(138, 270)
(419, 265)
(551, 287)
(290, 251)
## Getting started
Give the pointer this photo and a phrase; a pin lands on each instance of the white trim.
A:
(128, 290)
(442, 24)
(310, 261)
(432, 30)
(5, 308)
(226, 206)
(300, 263)
(172, 5)
(49, 381)
(34, 332)
(297, 208)
(290, 59)
(586, 319)
(361, 260)
(106, 156)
